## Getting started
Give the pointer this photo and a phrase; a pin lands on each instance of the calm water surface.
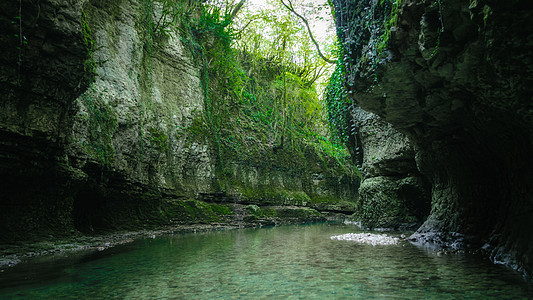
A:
(299, 262)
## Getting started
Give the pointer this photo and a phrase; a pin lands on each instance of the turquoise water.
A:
(290, 262)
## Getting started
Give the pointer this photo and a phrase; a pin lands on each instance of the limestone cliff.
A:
(456, 78)
(101, 128)
(392, 193)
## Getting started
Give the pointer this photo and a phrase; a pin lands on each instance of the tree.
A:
(290, 7)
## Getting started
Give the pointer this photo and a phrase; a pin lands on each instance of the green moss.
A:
(194, 211)
(284, 214)
(158, 139)
(388, 23)
(102, 123)
(298, 213)
(197, 128)
(89, 42)
(384, 211)
(220, 209)
(268, 195)
(261, 212)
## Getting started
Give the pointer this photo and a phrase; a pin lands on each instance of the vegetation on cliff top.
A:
(261, 75)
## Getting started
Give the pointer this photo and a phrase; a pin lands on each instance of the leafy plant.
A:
(389, 22)
(440, 29)
(261, 103)
(338, 102)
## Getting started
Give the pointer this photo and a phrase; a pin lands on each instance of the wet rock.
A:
(392, 202)
(392, 192)
(458, 81)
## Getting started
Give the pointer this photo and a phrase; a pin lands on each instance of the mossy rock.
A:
(283, 214)
(301, 213)
(264, 196)
(386, 202)
(261, 212)
(194, 211)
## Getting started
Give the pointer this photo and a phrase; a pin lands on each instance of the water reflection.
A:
(279, 262)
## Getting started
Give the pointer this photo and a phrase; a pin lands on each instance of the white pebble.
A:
(367, 238)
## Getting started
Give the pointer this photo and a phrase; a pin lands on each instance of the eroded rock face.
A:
(392, 193)
(96, 121)
(455, 77)
(42, 72)
(101, 128)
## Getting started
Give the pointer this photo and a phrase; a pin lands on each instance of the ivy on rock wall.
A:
(374, 27)
(338, 102)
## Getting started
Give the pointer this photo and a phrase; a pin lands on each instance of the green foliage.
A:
(440, 29)
(487, 12)
(261, 102)
(338, 102)
(389, 23)
(260, 106)
(89, 42)
(282, 40)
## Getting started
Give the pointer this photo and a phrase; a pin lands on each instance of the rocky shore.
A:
(368, 238)
(13, 254)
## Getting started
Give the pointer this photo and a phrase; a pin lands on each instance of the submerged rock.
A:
(367, 238)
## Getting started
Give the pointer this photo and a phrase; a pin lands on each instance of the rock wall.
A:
(392, 193)
(319, 190)
(456, 78)
(42, 73)
(100, 129)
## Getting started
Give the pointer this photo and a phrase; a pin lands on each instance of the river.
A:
(298, 262)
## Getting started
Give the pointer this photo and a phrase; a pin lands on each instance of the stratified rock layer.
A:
(456, 77)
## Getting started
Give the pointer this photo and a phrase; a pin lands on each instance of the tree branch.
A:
(291, 9)
(236, 10)
(247, 24)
